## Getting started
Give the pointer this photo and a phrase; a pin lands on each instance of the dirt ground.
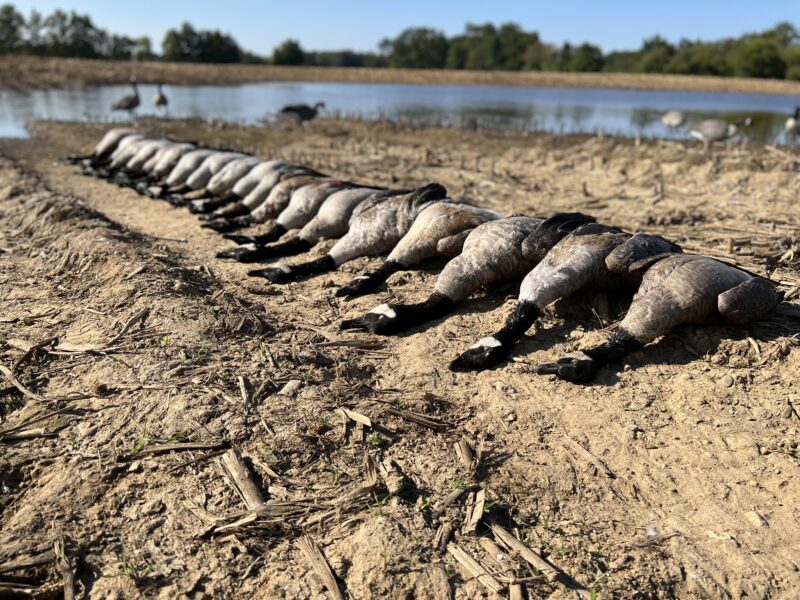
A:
(26, 72)
(144, 359)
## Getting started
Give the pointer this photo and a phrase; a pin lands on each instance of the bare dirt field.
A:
(144, 360)
(21, 72)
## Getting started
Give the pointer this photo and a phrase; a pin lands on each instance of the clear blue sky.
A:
(361, 24)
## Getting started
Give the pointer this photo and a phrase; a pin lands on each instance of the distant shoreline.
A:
(22, 73)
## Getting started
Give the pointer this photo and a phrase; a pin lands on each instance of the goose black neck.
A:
(235, 210)
(270, 236)
(408, 315)
(518, 322)
(212, 204)
(367, 284)
(616, 348)
(287, 274)
(290, 248)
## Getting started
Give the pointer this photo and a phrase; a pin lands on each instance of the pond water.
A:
(568, 110)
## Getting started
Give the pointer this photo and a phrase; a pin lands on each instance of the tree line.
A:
(774, 53)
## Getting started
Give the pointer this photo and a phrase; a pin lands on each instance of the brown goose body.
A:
(439, 230)
(375, 227)
(577, 262)
(675, 290)
(493, 251)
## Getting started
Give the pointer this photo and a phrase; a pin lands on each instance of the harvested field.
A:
(187, 431)
(19, 72)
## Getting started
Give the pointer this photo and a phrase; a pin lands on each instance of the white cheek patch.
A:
(360, 277)
(579, 355)
(487, 342)
(250, 246)
(282, 267)
(385, 310)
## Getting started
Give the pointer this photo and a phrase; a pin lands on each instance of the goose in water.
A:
(376, 226)
(493, 251)
(792, 125)
(160, 99)
(267, 200)
(439, 230)
(129, 102)
(675, 290)
(716, 130)
(576, 263)
(673, 119)
(302, 113)
(330, 222)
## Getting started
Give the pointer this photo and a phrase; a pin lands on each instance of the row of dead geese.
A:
(555, 257)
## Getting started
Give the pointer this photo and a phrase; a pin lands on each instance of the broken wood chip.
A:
(242, 480)
(320, 566)
(586, 455)
(474, 568)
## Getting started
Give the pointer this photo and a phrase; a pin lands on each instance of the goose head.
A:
(319, 105)
(633, 257)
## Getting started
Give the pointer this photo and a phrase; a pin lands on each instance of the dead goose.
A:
(330, 222)
(493, 251)
(146, 151)
(165, 159)
(376, 226)
(107, 144)
(186, 165)
(675, 290)
(212, 165)
(241, 187)
(576, 263)
(439, 230)
(302, 207)
(267, 200)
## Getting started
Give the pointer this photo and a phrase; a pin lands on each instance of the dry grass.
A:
(30, 72)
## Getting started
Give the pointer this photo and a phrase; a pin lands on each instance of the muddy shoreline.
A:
(699, 432)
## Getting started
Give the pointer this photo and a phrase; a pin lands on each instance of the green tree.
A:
(12, 26)
(288, 53)
(416, 48)
(190, 45)
(758, 57)
(587, 58)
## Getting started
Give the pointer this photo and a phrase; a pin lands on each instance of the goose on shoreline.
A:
(130, 102)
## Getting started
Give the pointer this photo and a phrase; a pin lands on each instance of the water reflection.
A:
(621, 112)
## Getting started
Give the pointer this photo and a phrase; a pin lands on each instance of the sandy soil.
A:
(673, 477)
(20, 72)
